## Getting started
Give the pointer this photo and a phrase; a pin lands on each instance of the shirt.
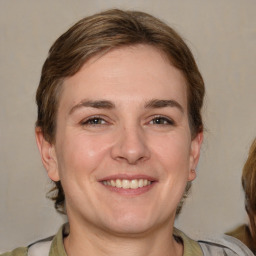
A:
(244, 235)
(191, 247)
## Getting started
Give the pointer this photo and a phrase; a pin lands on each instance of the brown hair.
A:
(100, 33)
(249, 186)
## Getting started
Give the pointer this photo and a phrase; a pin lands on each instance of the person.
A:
(119, 130)
(247, 233)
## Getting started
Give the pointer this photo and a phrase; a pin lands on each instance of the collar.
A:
(191, 247)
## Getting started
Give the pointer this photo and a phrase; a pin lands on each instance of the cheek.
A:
(172, 153)
(173, 150)
(81, 154)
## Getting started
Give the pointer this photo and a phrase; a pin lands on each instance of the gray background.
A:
(222, 36)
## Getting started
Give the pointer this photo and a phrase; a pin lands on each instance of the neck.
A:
(83, 241)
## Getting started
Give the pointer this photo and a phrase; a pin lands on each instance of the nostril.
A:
(130, 147)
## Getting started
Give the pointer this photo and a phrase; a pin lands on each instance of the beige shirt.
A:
(191, 247)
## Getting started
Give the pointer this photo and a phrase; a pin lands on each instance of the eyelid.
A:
(89, 118)
(169, 120)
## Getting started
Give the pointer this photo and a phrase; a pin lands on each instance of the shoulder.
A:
(191, 247)
(243, 234)
(240, 231)
(41, 247)
(21, 251)
(226, 245)
(52, 246)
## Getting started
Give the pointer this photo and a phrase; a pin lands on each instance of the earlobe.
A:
(195, 154)
(192, 174)
(48, 155)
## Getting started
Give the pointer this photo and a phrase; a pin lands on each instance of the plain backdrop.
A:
(222, 36)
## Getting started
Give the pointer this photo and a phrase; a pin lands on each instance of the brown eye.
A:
(94, 121)
(161, 121)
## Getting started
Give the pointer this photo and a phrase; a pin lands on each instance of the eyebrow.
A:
(155, 103)
(105, 104)
(100, 104)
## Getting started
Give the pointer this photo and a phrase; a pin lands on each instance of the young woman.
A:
(119, 130)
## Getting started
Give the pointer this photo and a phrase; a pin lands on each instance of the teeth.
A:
(134, 184)
(118, 183)
(127, 184)
(141, 183)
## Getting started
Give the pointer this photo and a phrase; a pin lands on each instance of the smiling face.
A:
(123, 149)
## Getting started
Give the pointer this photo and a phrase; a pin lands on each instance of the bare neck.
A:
(94, 242)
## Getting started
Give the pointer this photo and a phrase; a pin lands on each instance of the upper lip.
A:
(128, 177)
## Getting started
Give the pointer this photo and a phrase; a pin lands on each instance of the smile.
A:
(127, 184)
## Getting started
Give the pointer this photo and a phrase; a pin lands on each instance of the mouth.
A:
(127, 184)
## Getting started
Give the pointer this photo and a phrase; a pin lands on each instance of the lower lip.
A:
(129, 191)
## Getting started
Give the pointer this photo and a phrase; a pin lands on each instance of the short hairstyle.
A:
(98, 34)
(249, 186)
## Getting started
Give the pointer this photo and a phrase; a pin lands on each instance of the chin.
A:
(132, 224)
(130, 228)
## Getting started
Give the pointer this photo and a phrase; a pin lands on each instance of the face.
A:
(123, 149)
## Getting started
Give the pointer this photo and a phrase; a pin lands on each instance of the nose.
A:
(130, 146)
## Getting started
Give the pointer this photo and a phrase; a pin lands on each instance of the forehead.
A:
(139, 71)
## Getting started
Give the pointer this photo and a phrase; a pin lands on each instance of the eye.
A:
(160, 120)
(94, 121)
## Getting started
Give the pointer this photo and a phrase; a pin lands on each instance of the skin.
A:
(123, 115)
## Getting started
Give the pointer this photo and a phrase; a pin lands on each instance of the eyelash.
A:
(90, 121)
(167, 121)
(158, 120)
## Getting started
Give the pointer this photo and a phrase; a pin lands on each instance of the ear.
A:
(194, 155)
(48, 155)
